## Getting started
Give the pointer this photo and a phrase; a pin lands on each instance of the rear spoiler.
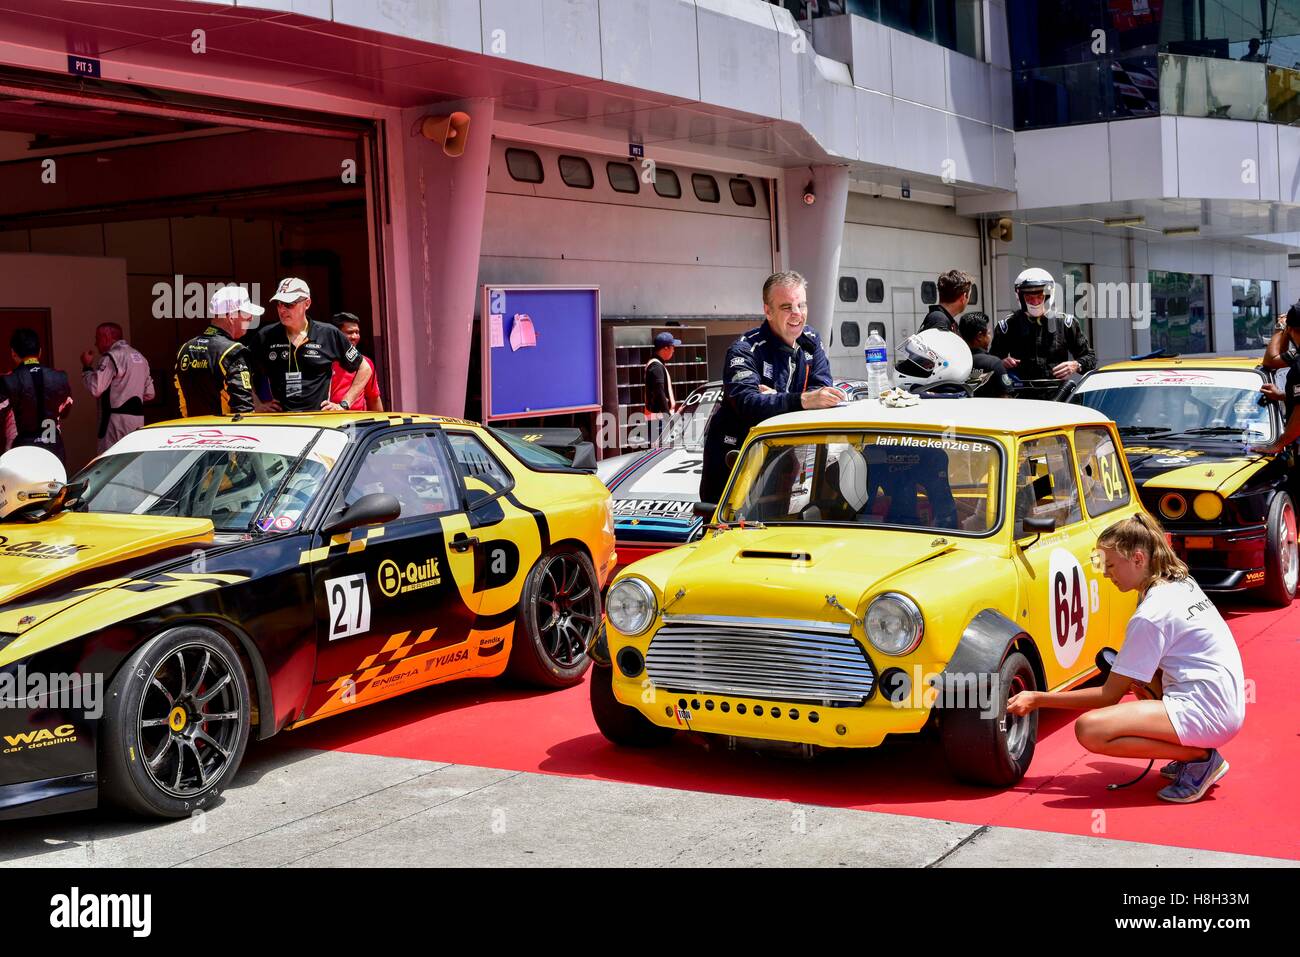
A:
(569, 443)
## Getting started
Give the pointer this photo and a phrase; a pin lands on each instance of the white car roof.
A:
(984, 415)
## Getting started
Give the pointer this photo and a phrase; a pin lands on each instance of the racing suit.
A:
(758, 358)
(1042, 344)
(212, 376)
(120, 380)
(33, 398)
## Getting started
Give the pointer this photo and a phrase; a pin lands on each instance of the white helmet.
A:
(931, 358)
(29, 474)
(1032, 279)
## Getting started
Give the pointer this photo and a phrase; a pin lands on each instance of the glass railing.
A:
(1172, 84)
(1204, 86)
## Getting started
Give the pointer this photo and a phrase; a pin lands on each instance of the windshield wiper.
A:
(1214, 430)
(1142, 429)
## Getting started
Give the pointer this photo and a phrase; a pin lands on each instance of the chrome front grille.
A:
(769, 658)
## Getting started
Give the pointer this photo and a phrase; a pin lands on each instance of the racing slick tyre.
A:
(618, 722)
(559, 612)
(994, 750)
(1281, 557)
(176, 722)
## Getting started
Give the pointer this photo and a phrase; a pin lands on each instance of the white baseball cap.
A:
(229, 300)
(291, 290)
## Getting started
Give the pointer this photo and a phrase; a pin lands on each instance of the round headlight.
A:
(631, 606)
(1207, 506)
(894, 624)
(1173, 505)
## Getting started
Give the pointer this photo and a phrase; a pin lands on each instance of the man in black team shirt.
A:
(975, 330)
(33, 398)
(297, 355)
(212, 375)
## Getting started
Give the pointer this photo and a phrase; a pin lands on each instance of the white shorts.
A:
(1194, 725)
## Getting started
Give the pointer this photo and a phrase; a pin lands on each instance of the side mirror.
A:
(379, 508)
(1042, 526)
(584, 457)
(704, 510)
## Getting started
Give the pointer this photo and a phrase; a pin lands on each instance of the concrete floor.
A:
(291, 807)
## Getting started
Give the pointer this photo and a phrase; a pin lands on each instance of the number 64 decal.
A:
(349, 600)
(1071, 597)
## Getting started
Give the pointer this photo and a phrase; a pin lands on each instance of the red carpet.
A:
(1252, 811)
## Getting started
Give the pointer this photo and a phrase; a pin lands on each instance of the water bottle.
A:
(878, 378)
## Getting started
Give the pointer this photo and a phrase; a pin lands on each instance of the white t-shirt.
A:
(1177, 629)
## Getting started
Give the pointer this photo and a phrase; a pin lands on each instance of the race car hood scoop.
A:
(788, 572)
(33, 556)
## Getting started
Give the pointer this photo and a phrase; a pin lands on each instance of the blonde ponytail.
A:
(1141, 531)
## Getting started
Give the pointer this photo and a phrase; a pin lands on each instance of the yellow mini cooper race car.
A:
(208, 580)
(872, 569)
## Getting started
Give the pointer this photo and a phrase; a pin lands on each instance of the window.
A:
(848, 289)
(742, 192)
(1180, 312)
(1045, 486)
(929, 293)
(875, 290)
(850, 335)
(974, 295)
(706, 188)
(1104, 486)
(623, 178)
(480, 473)
(1069, 296)
(667, 184)
(411, 467)
(576, 172)
(525, 166)
(1252, 313)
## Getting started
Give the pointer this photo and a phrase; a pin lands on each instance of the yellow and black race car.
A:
(1188, 426)
(208, 580)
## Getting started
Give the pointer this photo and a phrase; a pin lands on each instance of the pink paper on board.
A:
(496, 331)
(522, 334)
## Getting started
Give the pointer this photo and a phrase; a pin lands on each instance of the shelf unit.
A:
(626, 349)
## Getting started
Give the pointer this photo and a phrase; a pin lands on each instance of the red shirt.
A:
(342, 381)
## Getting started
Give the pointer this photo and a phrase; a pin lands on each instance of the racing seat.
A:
(896, 487)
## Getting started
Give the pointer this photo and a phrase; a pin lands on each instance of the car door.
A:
(500, 541)
(391, 610)
(1107, 498)
(1060, 590)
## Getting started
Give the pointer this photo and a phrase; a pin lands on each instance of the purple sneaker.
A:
(1195, 778)
(1172, 770)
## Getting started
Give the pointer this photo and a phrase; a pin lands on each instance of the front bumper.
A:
(47, 754)
(1223, 559)
(862, 726)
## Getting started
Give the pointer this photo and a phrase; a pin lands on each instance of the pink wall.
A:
(80, 292)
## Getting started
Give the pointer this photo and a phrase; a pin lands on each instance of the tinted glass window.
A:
(706, 188)
(411, 467)
(623, 178)
(850, 335)
(875, 289)
(667, 184)
(742, 193)
(929, 293)
(576, 172)
(480, 473)
(525, 166)
(848, 289)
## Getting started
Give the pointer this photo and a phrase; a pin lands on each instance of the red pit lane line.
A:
(488, 724)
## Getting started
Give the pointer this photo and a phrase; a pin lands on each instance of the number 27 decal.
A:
(349, 600)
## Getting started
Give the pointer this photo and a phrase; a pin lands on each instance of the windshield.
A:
(1177, 401)
(891, 479)
(239, 477)
(685, 429)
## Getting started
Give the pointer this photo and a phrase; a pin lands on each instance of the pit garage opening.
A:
(124, 205)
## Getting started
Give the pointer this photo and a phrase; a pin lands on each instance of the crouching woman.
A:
(1178, 657)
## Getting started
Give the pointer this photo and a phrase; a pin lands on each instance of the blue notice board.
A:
(556, 368)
